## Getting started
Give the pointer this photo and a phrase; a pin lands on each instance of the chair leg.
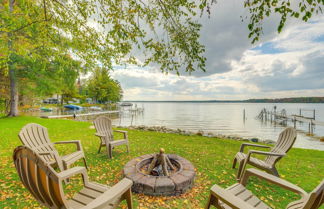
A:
(99, 148)
(234, 163)
(128, 197)
(109, 150)
(242, 169)
(127, 148)
(66, 166)
(242, 165)
(274, 171)
(212, 200)
(209, 202)
(85, 163)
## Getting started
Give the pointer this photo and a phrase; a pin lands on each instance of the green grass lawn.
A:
(212, 158)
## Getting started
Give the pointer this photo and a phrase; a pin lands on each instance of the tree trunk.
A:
(7, 106)
(58, 100)
(13, 92)
(12, 74)
(62, 97)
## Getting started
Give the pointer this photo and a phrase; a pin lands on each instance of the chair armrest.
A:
(272, 179)
(100, 135)
(251, 145)
(229, 199)
(263, 153)
(76, 142)
(123, 132)
(111, 194)
(73, 171)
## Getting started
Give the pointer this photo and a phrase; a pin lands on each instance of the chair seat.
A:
(241, 192)
(89, 194)
(240, 156)
(71, 158)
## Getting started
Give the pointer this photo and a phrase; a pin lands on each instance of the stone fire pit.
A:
(177, 181)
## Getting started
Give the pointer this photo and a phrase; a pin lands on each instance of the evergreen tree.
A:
(102, 88)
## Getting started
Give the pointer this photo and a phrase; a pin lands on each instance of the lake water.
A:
(226, 118)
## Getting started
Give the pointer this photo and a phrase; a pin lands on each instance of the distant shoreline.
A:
(221, 102)
(281, 100)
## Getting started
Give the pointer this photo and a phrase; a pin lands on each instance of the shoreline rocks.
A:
(163, 129)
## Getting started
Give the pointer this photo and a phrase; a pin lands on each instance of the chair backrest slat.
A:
(36, 137)
(39, 178)
(39, 145)
(42, 185)
(103, 125)
(285, 142)
(54, 192)
(32, 179)
(23, 167)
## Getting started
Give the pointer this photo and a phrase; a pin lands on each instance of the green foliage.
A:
(4, 92)
(259, 10)
(102, 88)
(211, 157)
(65, 72)
(106, 31)
(32, 46)
(45, 77)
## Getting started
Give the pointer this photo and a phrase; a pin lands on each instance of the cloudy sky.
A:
(290, 64)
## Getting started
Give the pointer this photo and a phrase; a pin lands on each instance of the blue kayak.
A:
(45, 109)
(73, 107)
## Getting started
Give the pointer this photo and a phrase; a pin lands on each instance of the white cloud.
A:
(285, 65)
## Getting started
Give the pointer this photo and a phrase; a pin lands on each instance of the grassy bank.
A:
(212, 158)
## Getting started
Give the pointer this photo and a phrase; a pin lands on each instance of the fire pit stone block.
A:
(164, 185)
(148, 183)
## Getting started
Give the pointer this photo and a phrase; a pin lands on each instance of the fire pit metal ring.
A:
(175, 184)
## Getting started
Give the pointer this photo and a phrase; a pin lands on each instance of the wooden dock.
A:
(80, 115)
(307, 119)
(282, 118)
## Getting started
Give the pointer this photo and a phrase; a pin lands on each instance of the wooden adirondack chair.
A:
(36, 137)
(238, 197)
(45, 184)
(105, 133)
(285, 141)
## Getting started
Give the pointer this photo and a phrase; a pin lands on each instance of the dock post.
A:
(314, 114)
(300, 112)
(132, 119)
(294, 122)
(244, 115)
(309, 127)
